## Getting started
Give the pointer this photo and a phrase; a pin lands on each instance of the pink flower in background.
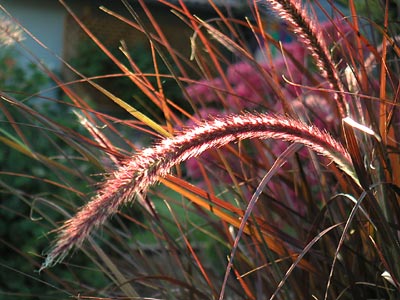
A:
(286, 66)
(297, 50)
(315, 108)
(239, 72)
(246, 96)
(323, 117)
(336, 31)
(250, 88)
(204, 91)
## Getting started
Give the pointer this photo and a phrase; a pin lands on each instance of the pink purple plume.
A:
(292, 12)
(137, 174)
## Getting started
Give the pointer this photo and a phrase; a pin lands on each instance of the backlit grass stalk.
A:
(292, 12)
(145, 168)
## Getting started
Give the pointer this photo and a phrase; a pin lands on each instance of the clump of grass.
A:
(319, 221)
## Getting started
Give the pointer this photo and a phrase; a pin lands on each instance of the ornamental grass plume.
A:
(310, 35)
(138, 173)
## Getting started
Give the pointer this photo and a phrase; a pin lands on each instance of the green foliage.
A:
(21, 81)
(25, 219)
(92, 62)
(375, 9)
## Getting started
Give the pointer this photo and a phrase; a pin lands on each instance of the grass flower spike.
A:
(137, 174)
(292, 12)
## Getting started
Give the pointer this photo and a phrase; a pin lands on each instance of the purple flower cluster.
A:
(249, 87)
